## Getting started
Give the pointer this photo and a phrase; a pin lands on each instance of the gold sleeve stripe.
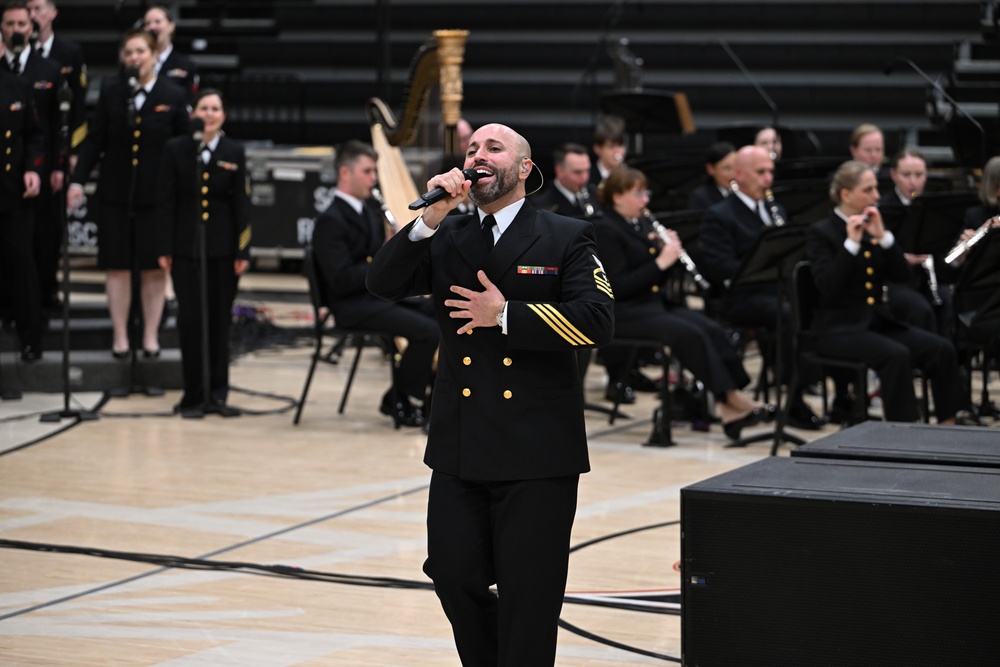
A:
(560, 324)
(79, 134)
(245, 238)
(602, 283)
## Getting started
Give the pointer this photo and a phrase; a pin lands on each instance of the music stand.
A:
(775, 253)
(976, 292)
(649, 111)
(930, 225)
(806, 200)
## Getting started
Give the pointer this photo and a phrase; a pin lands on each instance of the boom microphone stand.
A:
(65, 99)
(198, 134)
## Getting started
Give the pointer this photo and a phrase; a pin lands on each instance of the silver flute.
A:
(772, 208)
(389, 217)
(685, 258)
(958, 252)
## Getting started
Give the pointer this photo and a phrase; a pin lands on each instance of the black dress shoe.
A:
(734, 428)
(124, 354)
(619, 392)
(402, 411)
(639, 381)
(30, 353)
(801, 417)
(150, 354)
(222, 410)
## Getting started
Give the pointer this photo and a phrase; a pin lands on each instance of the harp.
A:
(437, 62)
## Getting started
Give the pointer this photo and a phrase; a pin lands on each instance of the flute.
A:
(685, 258)
(961, 248)
(389, 217)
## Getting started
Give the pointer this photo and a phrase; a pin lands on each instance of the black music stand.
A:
(976, 298)
(775, 253)
(657, 111)
(806, 200)
(931, 223)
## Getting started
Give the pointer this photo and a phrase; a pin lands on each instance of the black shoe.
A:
(639, 381)
(150, 354)
(732, 429)
(30, 353)
(801, 417)
(222, 410)
(403, 412)
(619, 392)
(841, 410)
(120, 355)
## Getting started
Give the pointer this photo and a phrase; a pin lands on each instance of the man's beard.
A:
(493, 189)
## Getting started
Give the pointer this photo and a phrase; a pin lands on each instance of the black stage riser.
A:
(794, 562)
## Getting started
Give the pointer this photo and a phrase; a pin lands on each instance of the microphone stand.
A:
(65, 99)
(753, 81)
(206, 378)
(889, 66)
(611, 19)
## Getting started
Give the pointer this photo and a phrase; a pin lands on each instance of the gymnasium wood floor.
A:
(340, 498)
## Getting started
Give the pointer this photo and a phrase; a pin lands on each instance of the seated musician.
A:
(728, 233)
(637, 263)
(609, 147)
(346, 237)
(571, 192)
(921, 300)
(719, 162)
(769, 139)
(989, 195)
(853, 256)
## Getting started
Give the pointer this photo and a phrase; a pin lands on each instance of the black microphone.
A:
(437, 194)
(753, 81)
(17, 43)
(198, 134)
(65, 98)
(36, 32)
(890, 65)
(132, 76)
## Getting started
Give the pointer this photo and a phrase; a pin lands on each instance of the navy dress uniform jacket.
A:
(216, 193)
(22, 144)
(507, 407)
(45, 80)
(164, 114)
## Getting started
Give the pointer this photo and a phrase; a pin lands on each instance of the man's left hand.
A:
(480, 308)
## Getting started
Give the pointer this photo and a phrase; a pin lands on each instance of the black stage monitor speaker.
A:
(807, 562)
(927, 443)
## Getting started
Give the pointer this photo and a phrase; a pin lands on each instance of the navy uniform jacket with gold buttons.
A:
(163, 115)
(192, 192)
(507, 407)
(21, 140)
(850, 286)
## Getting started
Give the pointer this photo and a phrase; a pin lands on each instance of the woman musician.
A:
(637, 263)
(853, 257)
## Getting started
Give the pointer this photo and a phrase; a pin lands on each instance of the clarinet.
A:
(583, 199)
(772, 208)
(685, 258)
(389, 217)
(958, 252)
(932, 282)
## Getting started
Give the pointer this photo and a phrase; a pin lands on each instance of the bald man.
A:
(517, 292)
(728, 233)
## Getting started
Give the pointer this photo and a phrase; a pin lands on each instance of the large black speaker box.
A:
(812, 562)
(927, 443)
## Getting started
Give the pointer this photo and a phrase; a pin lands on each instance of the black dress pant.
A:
(20, 277)
(412, 319)
(893, 351)
(221, 292)
(696, 340)
(515, 535)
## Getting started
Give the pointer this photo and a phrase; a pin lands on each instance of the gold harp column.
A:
(451, 53)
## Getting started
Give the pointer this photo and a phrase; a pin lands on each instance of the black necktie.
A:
(488, 223)
(15, 65)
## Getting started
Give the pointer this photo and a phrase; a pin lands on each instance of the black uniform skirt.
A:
(117, 239)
